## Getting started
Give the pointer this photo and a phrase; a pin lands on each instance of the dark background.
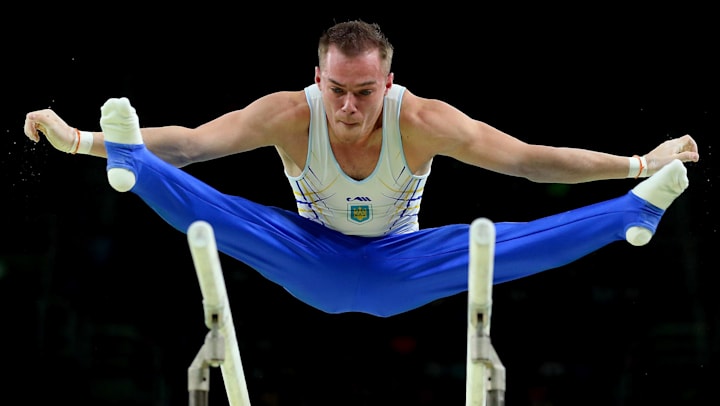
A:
(99, 297)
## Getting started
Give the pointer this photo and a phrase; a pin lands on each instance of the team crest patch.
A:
(359, 213)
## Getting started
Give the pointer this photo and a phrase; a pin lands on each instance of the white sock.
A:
(120, 124)
(664, 186)
(660, 190)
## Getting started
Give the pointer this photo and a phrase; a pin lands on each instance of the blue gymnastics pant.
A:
(382, 276)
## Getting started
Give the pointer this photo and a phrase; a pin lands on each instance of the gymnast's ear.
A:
(317, 75)
(389, 82)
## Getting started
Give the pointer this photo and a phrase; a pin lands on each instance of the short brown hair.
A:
(354, 37)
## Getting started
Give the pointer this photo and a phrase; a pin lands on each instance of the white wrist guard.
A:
(638, 167)
(83, 142)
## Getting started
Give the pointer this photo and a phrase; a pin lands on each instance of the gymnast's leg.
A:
(279, 244)
(418, 268)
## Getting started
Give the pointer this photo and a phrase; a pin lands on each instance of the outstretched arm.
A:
(270, 120)
(432, 127)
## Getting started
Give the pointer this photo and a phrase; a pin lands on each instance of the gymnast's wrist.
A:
(637, 167)
(82, 144)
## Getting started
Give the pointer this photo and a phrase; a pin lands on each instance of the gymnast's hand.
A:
(683, 148)
(58, 133)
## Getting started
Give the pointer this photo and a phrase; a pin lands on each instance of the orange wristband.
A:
(76, 143)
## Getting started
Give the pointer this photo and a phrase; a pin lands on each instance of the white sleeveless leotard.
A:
(386, 202)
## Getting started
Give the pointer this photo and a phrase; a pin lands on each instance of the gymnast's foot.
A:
(660, 190)
(120, 124)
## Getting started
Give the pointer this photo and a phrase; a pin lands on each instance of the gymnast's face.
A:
(353, 90)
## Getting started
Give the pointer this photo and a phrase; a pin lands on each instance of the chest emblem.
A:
(359, 213)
